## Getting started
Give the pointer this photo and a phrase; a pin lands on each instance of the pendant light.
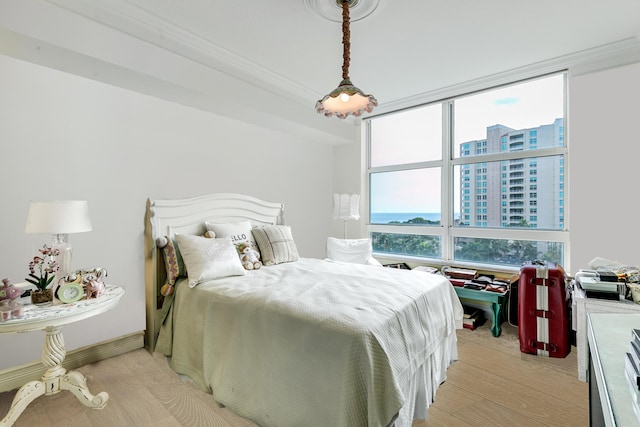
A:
(346, 98)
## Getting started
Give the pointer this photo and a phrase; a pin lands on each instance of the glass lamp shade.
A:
(344, 100)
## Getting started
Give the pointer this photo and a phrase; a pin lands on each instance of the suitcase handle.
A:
(551, 348)
(542, 282)
(541, 313)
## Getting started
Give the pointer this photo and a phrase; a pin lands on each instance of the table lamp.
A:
(346, 207)
(59, 218)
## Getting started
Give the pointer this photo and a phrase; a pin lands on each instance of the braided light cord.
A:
(346, 34)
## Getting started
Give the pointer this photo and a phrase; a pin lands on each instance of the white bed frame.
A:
(187, 216)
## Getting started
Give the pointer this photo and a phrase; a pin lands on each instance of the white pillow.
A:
(356, 251)
(208, 259)
(240, 232)
(374, 262)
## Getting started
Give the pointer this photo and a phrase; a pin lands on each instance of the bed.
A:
(302, 342)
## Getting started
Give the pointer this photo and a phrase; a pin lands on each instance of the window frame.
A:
(447, 232)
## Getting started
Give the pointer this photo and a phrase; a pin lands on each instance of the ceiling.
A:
(267, 62)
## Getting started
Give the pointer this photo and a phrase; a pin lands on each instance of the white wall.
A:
(603, 170)
(67, 137)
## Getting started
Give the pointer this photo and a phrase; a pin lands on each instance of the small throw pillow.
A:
(276, 244)
(356, 251)
(240, 232)
(208, 259)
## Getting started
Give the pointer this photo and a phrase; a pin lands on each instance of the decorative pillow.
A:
(208, 259)
(356, 251)
(276, 244)
(172, 259)
(240, 232)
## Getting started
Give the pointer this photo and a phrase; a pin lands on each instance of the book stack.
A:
(600, 284)
(426, 269)
(459, 276)
(632, 360)
(498, 285)
(470, 279)
(472, 317)
(460, 273)
(400, 265)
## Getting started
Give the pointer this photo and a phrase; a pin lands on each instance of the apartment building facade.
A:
(523, 192)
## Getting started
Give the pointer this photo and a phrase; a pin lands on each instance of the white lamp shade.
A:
(58, 217)
(346, 206)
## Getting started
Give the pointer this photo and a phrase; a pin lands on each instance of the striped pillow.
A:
(276, 244)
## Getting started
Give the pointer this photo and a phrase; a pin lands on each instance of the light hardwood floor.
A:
(492, 384)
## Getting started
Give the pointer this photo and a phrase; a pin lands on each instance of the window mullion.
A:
(447, 180)
(486, 158)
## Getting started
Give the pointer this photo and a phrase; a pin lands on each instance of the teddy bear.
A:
(250, 257)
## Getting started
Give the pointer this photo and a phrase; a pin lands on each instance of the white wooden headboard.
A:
(187, 216)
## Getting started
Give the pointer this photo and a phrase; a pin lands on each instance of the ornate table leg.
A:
(27, 394)
(76, 383)
(53, 354)
(55, 378)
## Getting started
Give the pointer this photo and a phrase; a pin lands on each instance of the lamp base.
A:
(59, 241)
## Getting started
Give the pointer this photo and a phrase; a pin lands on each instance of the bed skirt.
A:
(421, 391)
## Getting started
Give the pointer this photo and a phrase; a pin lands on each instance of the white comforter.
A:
(313, 342)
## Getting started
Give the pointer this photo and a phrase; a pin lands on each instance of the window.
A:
(502, 147)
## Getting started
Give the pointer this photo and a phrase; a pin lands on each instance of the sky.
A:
(416, 135)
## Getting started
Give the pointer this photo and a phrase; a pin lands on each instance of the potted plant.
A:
(41, 273)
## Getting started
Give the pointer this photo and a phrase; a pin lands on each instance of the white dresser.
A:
(612, 402)
(581, 307)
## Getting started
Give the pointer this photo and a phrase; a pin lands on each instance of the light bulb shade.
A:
(357, 103)
(346, 206)
(58, 217)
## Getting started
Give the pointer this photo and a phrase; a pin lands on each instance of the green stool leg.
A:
(496, 309)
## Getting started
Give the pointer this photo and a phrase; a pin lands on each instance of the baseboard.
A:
(16, 377)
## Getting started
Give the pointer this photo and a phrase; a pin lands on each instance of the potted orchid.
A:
(42, 270)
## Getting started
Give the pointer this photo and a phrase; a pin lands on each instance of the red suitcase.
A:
(543, 310)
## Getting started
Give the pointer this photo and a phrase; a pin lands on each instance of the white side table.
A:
(584, 305)
(51, 319)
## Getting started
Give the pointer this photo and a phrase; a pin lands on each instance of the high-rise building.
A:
(523, 192)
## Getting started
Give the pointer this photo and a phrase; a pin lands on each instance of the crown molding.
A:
(139, 23)
(587, 61)
(234, 105)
